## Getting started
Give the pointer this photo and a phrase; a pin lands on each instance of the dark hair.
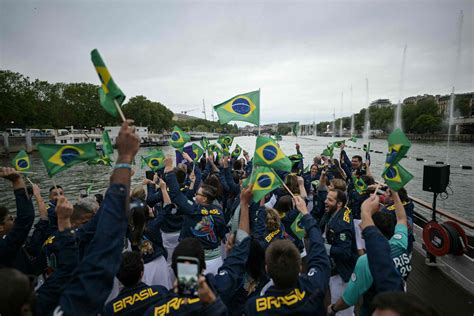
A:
(18, 293)
(404, 304)
(357, 157)
(237, 165)
(99, 198)
(213, 188)
(291, 181)
(385, 222)
(255, 265)
(340, 196)
(3, 212)
(180, 175)
(369, 180)
(284, 204)
(138, 210)
(131, 268)
(283, 263)
(55, 187)
(188, 247)
(403, 194)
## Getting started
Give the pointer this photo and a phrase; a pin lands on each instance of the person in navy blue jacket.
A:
(289, 292)
(340, 243)
(13, 234)
(54, 193)
(203, 218)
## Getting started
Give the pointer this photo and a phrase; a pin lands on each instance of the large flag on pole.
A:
(243, 107)
(21, 162)
(109, 92)
(57, 158)
(267, 153)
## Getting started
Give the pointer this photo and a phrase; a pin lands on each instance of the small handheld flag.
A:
(21, 162)
(359, 184)
(57, 158)
(396, 176)
(236, 152)
(225, 140)
(155, 160)
(103, 160)
(110, 95)
(297, 228)
(243, 107)
(204, 142)
(267, 153)
(264, 181)
(107, 148)
(179, 138)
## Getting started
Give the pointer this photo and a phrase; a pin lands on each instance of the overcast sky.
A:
(302, 54)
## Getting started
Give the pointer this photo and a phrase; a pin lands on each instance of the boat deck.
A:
(434, 287)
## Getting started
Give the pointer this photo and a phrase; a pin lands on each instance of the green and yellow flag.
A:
(155, 160)
(264, 181)
(225, 141)
(179, 138)
(107, 148)
(103, 160)
(198, 152)
(21, 162)
(398, 146)
(338, 143)
(57, 158)
(214, 148)
(204, 142)
(236, 152)
(243, 107)
(359, 184)
(396, 176)
(353, 139)
(297, 227)
(329, 151)
(267, 153)
(109, 92)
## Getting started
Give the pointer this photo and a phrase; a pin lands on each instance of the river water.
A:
(459, 201)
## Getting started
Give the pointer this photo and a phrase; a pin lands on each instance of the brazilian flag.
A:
(353, 139)
(359, 184)
(214, 148)
(197, 151)
(236, 152)
(57, 158)
(225, 141)
(155, 160)
(338, 143)
(179, 138)
(398, 146)
(396, 176)
(109, 92)
(329, 151)
(107, 148)
(264, 181)
(204, 142)
(243, 107)
(297, 227)
(103, 160)
(267, 153)
(21, 162)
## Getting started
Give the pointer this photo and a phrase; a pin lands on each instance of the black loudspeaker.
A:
(435, 178)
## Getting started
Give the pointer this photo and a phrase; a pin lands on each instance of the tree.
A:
(427, 123)
(462, 106)
(148, 113)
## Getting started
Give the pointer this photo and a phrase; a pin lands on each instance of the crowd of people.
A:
(121, 253)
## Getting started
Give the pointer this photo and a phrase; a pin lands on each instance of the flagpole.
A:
(119, 109)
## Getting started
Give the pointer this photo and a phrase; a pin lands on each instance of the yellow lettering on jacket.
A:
(270, 236)
(132, 299)
(269, 302)
(49, 241)
(346, 217)
(211, 212)
(175, 303)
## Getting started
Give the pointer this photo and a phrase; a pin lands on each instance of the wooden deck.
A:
(433, 287)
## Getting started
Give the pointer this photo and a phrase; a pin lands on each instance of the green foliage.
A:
(427, 123)
(461, 105)
(148, 113)
(202, 125)
(40, 104)
(284, 130)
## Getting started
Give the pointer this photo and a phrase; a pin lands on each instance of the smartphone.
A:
(149, 174)
(188, 274)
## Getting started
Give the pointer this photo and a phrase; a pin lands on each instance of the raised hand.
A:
(128, 142)
(300, 205)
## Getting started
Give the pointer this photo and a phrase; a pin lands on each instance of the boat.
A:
(200, 135)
